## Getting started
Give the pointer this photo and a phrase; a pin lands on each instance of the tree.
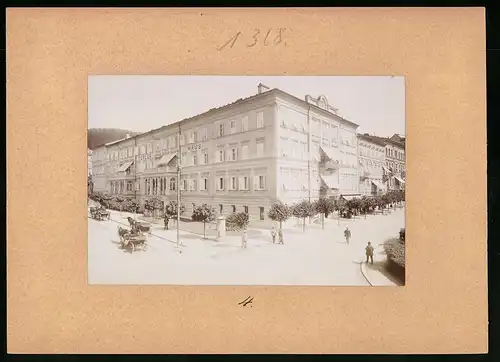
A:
(171, 212)
(365, 205)
(303, 210)
(237, 221)
(90, 185)
(386, 199)
(203, 213)
(324, 206)
(279, 212)
(154, 203)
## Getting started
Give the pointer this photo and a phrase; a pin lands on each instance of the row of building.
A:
(244, 155)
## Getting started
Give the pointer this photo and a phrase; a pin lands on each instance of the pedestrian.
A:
(273, 234)
(369, 252)
(347, 234)
(244, 239)
(280, 236)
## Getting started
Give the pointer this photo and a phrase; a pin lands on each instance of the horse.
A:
(122, 232)
(141, 227)
(131, 221)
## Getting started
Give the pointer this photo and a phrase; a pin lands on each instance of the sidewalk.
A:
(376, 274)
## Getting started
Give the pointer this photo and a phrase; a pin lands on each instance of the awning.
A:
(330, 181)
(165, 159)
(400, 180)
(386, 169)
(378, 185)
(350, 197)
(329, 153)
(125, 166)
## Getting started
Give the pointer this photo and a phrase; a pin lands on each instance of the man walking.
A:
(347, 234)
(369, 252)
(280, 236)
(244, 239)
(273, 234)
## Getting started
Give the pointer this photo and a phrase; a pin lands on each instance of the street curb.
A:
(363, 271)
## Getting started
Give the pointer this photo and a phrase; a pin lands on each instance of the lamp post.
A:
(179, 167)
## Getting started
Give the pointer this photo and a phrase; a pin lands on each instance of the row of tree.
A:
(304, 209)
(278, 212)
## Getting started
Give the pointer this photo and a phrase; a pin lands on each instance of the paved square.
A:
(313, 257)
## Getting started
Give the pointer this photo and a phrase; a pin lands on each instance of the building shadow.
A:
(382, 267)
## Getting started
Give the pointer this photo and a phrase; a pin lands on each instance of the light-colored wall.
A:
(251, 165)
(302, 131)
(395, 159)
(371, 157)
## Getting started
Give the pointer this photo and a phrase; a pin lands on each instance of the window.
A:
(204, 184)
(172, 184)
(260, 149)
(232, 126)
(233, 183)
(221, 130)
(195, 136)
(205, 158)
(294, 149)
(195, 160)
(233, 207)
(245, 209)
(221, 208)
(244, 124)
(195, 185)
(262, 183)
(221, 155)
(221, 183)
(245, 183)
(260, 119)
(244, 152)
(129, 185)
(261, 213)
(234, 154)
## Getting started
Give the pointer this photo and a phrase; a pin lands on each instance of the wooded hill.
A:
(99, 136)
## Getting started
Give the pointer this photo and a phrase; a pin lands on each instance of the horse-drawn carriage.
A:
(99, 213)
(132, 239)
(140, 226)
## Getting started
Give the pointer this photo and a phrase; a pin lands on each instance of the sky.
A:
(141, 103)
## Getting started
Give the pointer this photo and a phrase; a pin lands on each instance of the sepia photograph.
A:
(246, 180)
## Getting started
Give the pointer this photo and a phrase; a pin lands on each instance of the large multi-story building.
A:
(394, 170)
(371, 156)
(395, 162)
(238, 157)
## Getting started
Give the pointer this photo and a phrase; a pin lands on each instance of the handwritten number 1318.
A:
(256, 37)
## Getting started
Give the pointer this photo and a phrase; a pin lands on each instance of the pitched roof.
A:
(227, 106)
(372, 139)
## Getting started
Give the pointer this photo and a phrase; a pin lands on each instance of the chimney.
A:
(127, 136)
(261, 88)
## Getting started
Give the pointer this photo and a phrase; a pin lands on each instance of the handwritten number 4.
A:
(247, 300)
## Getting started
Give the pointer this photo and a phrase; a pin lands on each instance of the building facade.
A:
(239, 157)
(371, 155)
(395, 165)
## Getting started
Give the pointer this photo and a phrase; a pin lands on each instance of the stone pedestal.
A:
(221, 227)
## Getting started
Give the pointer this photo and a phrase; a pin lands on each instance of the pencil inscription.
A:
(268, 37)
(247, 300)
